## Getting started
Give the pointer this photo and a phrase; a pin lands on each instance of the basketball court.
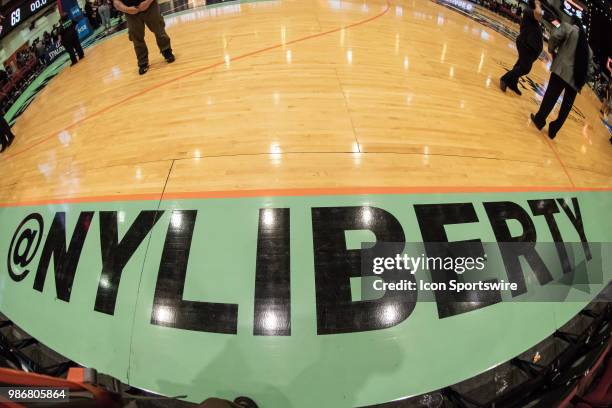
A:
(283, 129)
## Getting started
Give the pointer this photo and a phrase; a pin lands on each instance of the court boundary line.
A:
(306, 192)
(558, 156)
(161, 84)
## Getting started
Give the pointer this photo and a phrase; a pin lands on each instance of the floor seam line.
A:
(142, 271)
(348, 111)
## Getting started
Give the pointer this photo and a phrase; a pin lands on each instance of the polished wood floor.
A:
(299, 94)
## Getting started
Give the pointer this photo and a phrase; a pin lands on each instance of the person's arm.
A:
(556, 38)
(123, 8)
(145, 5)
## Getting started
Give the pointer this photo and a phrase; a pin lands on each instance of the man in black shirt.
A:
(528, 44)
(70, 39)
(140, 13)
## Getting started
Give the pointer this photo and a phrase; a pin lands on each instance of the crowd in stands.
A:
(95, 12)
(506, 9)
(16, 76)
(31, 61)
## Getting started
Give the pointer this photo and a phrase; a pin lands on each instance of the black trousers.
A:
(526, 57)
(6, 135)
(74, 48)
(556, 85)
(153, 19)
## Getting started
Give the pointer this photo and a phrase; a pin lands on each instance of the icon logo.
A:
(24, 245)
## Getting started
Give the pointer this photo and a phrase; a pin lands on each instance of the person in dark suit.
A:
(528, 44)
(572, 65)
(6, 135)
(70, 38)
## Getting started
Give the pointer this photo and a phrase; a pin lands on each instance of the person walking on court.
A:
(528, 44)
(6, 135)
(140, 13)
(572, 64)
(70, 39)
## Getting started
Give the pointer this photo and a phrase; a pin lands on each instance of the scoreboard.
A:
(572, 9)
(16, 14)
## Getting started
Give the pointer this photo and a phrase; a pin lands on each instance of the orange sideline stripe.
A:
(302, 192)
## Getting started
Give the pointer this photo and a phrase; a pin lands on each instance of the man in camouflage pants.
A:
(140, 13)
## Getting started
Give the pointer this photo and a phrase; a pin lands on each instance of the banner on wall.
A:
(83, 29)
(76, 14)
(54, 50)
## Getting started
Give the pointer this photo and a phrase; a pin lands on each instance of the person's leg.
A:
(6, 136)
(105, 12)
(136, 33)
(79, 49)
(9, 134)
(510, 78)
(70, 48)
(155, 22)
(525, 62)
(554, 89)
(569, 96)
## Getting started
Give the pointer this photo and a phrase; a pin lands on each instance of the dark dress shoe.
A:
(515, 89)
(143, 69)
(169, 56)
(537, 124)
(502, 85)
(553, 129)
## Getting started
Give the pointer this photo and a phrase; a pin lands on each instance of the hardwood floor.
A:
(295, 94)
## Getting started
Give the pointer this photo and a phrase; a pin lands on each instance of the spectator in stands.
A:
(6, 135)
(4, 78)
(529, 45)
(91, 14)
(41, 53)
(115, 13)
(572, 65)
(70, 39)
(46, 39)
(55, 34)
(104, 11)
